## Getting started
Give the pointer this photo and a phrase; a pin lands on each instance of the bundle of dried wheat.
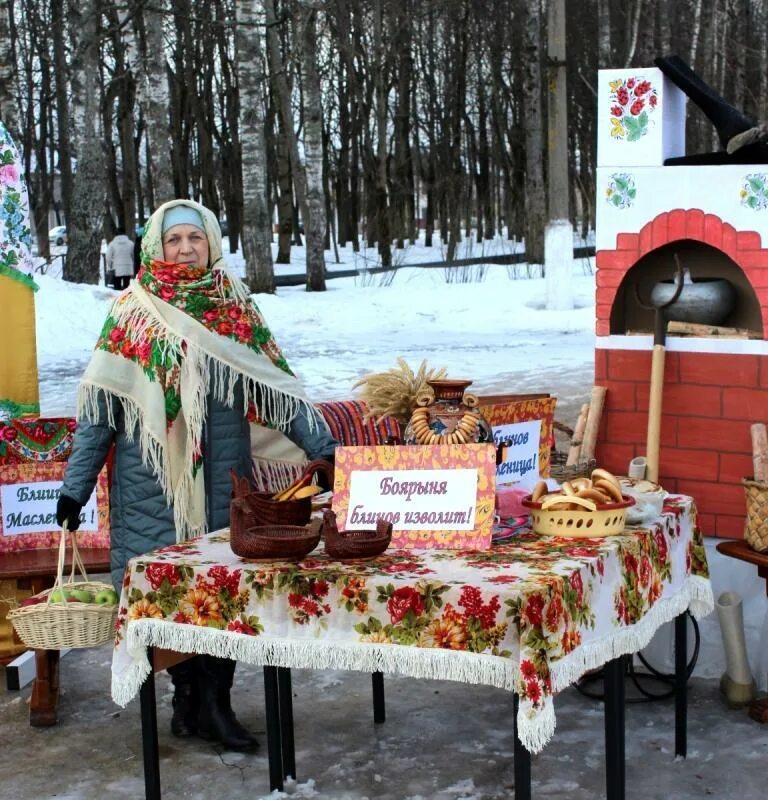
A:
(393, 393)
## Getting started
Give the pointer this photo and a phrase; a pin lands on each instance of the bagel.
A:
(557, 503)
(581, 483)
(566, 502)
(539, 490)
(568, 488)
(608, 488)
(594, 494)
(603, 474)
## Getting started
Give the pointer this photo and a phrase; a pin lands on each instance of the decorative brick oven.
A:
(715, 219)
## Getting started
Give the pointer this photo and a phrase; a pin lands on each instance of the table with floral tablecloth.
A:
(529, 615)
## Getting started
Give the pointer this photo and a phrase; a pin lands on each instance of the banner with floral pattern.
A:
(530, 615)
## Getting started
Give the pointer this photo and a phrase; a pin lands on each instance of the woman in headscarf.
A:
(183, 362)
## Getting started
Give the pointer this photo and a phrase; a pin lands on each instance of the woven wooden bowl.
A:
(261, 508)
(275, 542)
(607, 520)
(353, 545)
(265, 510)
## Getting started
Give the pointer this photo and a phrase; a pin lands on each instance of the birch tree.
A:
(256, 233)
(88, 193)
(8, 106)
(154, 100)
(315, 222)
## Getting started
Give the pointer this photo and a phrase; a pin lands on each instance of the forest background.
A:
(341, 120)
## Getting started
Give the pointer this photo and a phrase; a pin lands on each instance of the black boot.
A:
(216, 720)
(186, 698)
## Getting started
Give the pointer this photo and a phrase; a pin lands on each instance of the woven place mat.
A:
(509, 527)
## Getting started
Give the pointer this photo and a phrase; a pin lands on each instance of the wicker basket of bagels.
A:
(584, 507)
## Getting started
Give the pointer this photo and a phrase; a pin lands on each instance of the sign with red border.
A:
(436, 496)
(28, 496)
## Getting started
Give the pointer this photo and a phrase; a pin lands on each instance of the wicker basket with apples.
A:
(72, 613)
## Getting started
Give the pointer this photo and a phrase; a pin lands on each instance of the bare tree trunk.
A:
(632, 33)
(403, 188)
(315, 221)
(282, 97)
(285, 195)
(382, 85)
(536, 204)
(695, 33)
(761, 35)
(61, 77)
(604, 50)
(154, 98)
(9, 110)
(87, 203)
(558, 245)
(257, 228)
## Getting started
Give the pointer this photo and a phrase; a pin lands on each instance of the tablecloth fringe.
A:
(695, 595)
(434, 664)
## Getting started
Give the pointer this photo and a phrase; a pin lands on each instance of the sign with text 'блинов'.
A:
(435, 496)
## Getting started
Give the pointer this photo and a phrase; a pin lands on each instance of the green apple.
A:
(107, 597)
(81, 595)
(59, 596)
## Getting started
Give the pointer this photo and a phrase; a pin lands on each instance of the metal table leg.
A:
(379, 710)
(274, 743)
(522, 761)
(614, 729)
(681, 685)
(149, 735)
(285, 699)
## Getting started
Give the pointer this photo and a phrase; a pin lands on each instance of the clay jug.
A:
(447, 414)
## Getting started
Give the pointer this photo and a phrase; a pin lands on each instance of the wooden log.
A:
(760, 452)
(678, 328)
(578, 435)
(653, 435)
(593, 423)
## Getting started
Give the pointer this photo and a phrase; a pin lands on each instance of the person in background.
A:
(120, 258)
(137, 249)
(183, 361)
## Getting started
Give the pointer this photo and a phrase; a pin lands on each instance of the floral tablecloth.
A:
(529, 615)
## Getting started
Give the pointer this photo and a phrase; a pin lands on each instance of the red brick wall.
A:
(709, 403)
(744, 247)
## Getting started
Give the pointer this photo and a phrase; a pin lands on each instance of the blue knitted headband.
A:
(182, 215)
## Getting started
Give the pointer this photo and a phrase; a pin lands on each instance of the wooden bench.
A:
(35, 570)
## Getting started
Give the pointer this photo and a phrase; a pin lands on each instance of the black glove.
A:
(68, 510)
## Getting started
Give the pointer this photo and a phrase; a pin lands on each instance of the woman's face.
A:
(185, 244)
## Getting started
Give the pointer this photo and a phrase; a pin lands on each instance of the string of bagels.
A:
(463, 432)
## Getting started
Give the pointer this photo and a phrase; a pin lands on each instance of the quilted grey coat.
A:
(140, 517)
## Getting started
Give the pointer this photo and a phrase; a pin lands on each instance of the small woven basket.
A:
(56, 624)
(261, 508)
(275, 542)
(561, 471)
(756, 529)
(354, 545)
(607, 520)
